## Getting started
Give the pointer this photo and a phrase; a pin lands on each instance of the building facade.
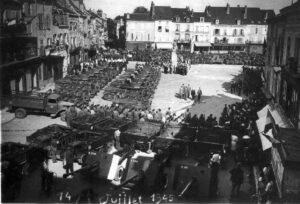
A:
(217, 29)
(41, 39)
(283, 61)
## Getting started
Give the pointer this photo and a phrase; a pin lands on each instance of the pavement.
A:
(210, 78)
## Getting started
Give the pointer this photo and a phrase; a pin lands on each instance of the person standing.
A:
(237, 178)
(117, 135)
(69, 160)
(215, 163)
(269, 191)
(188, 91)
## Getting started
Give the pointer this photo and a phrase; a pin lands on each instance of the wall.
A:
(165, 34)
(227, 32)
(140, 31)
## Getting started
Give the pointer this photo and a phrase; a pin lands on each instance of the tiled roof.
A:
(254, 15)
(197, 15)
(63, 8)
(77, 10)
(163, 13)
(140, 17)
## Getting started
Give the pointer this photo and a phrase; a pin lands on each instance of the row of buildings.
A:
(216, 29)
(41, 39)
(282, 87)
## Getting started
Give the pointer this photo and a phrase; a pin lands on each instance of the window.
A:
(217, 31)
(238, 22)
(187, 36)
(196, 38)
(242, 32)
(177, 27)
(188, 28)
(167, 29)
(201, 19)
(217, 21)
(188, 20)
(256, 30)
(177, 36)
(131, 36)
(225, 32)
(148, 37)
(177, 19)
(51, 101)
(159, 29)
(49, 41)
(234, 32)
(197, 28)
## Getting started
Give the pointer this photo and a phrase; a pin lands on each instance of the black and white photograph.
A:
(150, 101)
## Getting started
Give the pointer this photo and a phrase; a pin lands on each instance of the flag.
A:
(269, 122)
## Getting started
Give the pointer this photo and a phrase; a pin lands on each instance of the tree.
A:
(140, 9)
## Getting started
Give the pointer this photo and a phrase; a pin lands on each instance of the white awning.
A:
(265, 143)
(164, 46)
(263, 112)
(202, 44)
(279, 120)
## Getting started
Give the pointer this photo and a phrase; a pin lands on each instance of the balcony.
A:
(17, 49)
(17, 29)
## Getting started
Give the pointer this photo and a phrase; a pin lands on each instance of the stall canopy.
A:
(265, 142)
(164, 46)
(276, 115)
(202, 44)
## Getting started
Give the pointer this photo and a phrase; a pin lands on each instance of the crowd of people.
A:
(157, 57)
(241, 58)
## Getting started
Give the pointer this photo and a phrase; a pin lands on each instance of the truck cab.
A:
(52, 103)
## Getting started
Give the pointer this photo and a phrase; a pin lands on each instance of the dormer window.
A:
(202, 19)
(188, 20)
(177, 19)
(238, 22)
(217, 21)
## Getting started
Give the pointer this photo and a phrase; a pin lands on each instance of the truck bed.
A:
(29, 101)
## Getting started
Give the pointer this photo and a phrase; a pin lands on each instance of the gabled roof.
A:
(254, 15)
(140, 17)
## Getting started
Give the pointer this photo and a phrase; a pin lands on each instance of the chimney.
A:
(227, 9)
(152, 10)
(208, 11)
(266, 16)
(245, 12)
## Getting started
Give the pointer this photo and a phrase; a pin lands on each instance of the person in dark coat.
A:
(69, 159)
(237, 178)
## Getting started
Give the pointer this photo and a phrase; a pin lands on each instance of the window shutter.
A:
(40, 16)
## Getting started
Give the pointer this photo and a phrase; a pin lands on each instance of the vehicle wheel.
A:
(63, 116)
(20, 113)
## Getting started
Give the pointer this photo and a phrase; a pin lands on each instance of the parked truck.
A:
(46, 103)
